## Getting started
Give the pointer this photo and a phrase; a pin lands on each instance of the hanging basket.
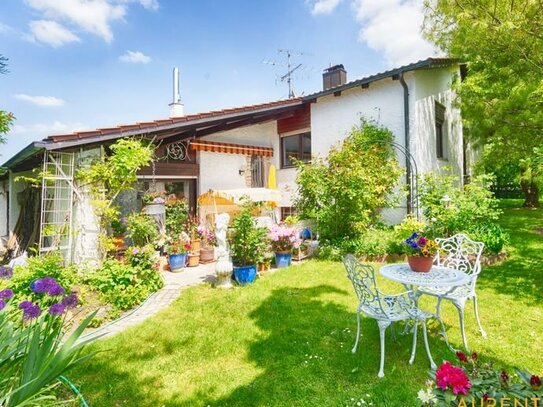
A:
(154, 209)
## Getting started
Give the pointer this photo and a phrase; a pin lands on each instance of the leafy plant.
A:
(419, 245)
(142, 229)
(177, 214)
(33, 352)
(283, 238)
(248, 243)
(477, 383)
(125, 285)
(345, 192)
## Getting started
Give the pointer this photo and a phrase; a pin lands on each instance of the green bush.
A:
(142, 229)
(124, 286)
(344, 193)
(177, 214)
(491, 234)
(46, 265)
(248, 243)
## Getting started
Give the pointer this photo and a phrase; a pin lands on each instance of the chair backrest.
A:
(461, 253)
(362, 277)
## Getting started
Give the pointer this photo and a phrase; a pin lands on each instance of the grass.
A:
(286, 340)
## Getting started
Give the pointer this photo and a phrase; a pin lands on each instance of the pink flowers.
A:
(535, 382)
(283, 238)
(449, 376)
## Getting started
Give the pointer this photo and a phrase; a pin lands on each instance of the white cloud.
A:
(393, 27)
(40, 130)
(135, 57)
(148, 4)
(51, 33)
(93, 16)
(324, 6)
(43, 101)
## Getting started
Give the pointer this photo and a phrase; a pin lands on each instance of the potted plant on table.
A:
(177, 249)
(421, 252)
(248, 244)
(283, 240)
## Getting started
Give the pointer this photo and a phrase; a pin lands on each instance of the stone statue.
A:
(223, 267)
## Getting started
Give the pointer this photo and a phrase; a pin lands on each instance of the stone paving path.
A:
(174, 283)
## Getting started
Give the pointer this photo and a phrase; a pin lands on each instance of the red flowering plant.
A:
(476, 383)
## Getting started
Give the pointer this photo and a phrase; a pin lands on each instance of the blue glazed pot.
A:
(245, 274)
(283, 259)
(178, 261)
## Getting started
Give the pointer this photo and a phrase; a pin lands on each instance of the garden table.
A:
(438, 276)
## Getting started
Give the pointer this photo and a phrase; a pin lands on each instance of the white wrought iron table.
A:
(438, 276)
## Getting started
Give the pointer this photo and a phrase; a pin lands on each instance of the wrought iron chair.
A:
(461, 253)
(385, 309)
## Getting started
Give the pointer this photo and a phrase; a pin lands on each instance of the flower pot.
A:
(196, 245)
(207, 254)
(177, 262)
(263, 267)
(420, 264)
(283, 259)
(245, 274)
(193, 260)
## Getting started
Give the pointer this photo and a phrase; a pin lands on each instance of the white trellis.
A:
(57, 203)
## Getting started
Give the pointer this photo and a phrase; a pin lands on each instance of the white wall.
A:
(221, 170)
(430, 86)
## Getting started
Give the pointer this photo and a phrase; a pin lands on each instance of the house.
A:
(234, 148)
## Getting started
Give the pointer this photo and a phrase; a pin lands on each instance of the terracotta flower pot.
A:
(207, 254)
(193, 260)
(420, 264)
(196, 245)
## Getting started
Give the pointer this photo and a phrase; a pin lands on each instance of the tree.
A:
(6, 118)
(345, 192)
(502, 95)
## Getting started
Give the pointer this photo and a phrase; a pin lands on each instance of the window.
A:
(287, 211)
(258, 172)
(440, 124)
(296, 147)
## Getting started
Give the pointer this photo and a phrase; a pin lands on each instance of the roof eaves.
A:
(27, 152)
(425, 63)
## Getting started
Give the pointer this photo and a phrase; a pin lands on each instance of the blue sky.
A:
(82, 64)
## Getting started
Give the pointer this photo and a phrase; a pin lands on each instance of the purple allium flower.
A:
(70, 301)
(57, 309)
(43, 285)
(25, 304)
(56, 290)
(31, 312)
(2, 305)
(6, 273)
(6, 294)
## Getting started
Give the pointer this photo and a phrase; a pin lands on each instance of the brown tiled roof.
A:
(153, 125)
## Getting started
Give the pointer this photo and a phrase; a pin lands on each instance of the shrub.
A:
(345, 192)
(38, 267)
(177, 214)
(472, 210)
(142, 229)
(126, 285)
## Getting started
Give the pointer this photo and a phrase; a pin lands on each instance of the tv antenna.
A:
(287, 77)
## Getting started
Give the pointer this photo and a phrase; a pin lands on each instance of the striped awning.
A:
(215, 146)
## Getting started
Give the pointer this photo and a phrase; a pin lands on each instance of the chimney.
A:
(334, 76)
(176, 107)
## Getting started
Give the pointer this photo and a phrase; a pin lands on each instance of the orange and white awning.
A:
(217, 147)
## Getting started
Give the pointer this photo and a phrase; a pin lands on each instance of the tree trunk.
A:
(531, 193)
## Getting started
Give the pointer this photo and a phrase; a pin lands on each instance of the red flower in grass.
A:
(449, 376)
(462, 357)
(535, 382)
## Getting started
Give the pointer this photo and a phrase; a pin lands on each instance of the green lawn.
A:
(286, 340)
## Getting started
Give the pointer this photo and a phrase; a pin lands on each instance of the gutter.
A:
(407, 141)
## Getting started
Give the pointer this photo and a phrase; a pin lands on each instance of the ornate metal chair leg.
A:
(443, 328)
(476, 308)
(414, 349)
(357, 331)
(425, 334)
(382, 328)
(460, 306)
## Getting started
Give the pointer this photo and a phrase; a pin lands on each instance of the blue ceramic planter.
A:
(178, 261)
(283, 259)
(245, 274)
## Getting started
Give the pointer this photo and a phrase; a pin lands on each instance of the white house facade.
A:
(234, 148)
